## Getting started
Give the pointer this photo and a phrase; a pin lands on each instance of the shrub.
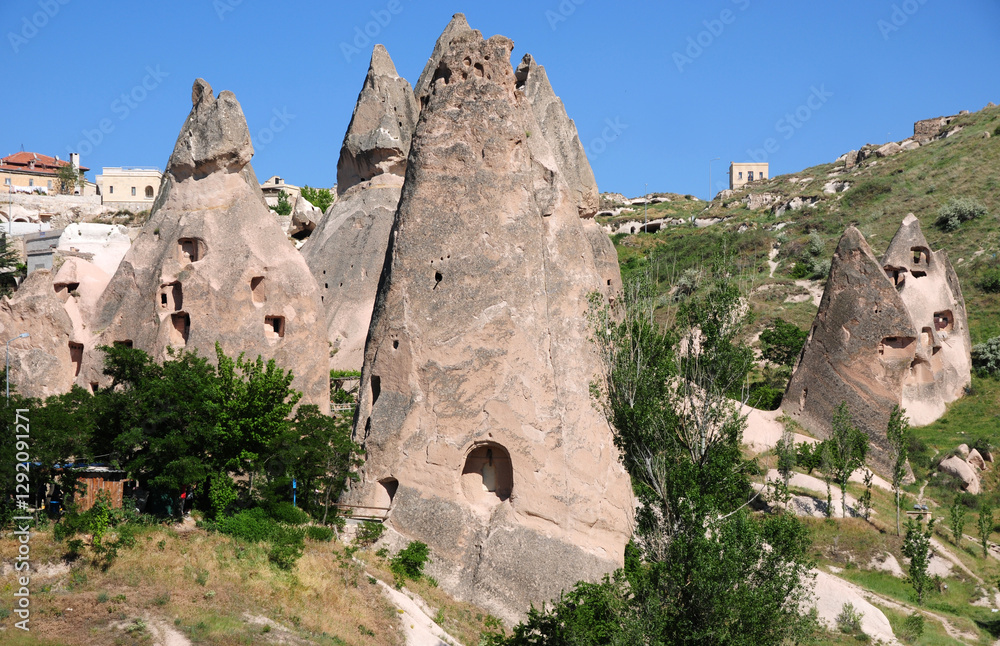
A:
(764, 397)
(251, 525)
(849, 619)
(368, 533)
(221, 494)
(319, 533)
(287, 545)
(989, 281)
(986, 357)
(913, 627)
(957, 211)
(286, 512)
(409, 562)
(284, 207)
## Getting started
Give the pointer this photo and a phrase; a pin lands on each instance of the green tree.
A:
(785, 450)
(848, 450)
(284, 207)
(69, 178)
(898, 434)
(917, 548)
(710, 572)
(956, 518)
(12, 270)
(321, 198)
(781, 342)
(985, 525)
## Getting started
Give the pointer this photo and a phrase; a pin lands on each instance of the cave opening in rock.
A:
(488, 475)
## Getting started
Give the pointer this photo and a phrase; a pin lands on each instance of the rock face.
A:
(212, 264)
(347, 250)
(475, 415)
(458, 25)
(929, 287)
(887, 333)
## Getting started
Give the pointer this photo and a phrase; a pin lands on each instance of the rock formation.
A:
(458, 25)
(928, 285)
(304, 218)
(212, 265)
(887, 333)
(56, 312)
(475, 415)
(347, 250)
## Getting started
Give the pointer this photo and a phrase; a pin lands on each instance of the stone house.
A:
(742, 173)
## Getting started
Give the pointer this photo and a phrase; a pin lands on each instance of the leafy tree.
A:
(865, 502)
(917, 548)
(848, 450)
(985, 525)
(12, 270)
(781, 342)
(898, 434)
(284, 207)
(321, 198)
(785, 450)
(957, 522)
(710, 571)
(69, 178)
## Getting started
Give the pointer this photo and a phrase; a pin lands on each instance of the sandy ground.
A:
(419, 628)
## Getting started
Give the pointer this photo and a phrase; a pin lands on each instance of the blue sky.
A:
(657, 89)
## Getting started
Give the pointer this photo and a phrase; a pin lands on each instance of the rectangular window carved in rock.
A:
(257, 289)
(274, 326)
(181, 322)
(188, 250)
(76, 356)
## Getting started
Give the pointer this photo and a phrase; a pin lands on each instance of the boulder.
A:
(347, 250)
(963, 450)
(211, 265)
(962, 470)
(910, 144)
(888, 150)
(474, 410)
(305, 217)
(851, 159)
(976, 460)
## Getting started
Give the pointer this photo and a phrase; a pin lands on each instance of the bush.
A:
(989, 281)
(764, 397)
(849, 619)
(957, 211)
(986, 357)
(221, 495)
(913, 627)
(409, 562)
(251, 525)
(284, 207)
(319, 533)
(368, 533)
(286, 512)
(287, 545)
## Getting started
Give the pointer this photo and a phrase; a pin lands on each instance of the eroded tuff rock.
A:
(475, 414)
(887, 333)
(929, 287)
(304, 218)
(458, 25)
(56, 311)
(212, 264)
(347, 250)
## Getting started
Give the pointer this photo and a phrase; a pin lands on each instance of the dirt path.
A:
(814, 289)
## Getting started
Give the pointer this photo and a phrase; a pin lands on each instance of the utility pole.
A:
(710, 178)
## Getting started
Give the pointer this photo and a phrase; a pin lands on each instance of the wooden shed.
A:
(99, 478)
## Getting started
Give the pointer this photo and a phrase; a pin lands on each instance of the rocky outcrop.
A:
(888, 150)
(959, 468)
(890, 332)
(859, 349)
(929, 289)
(211, 265)
(347, 250)
(474, 413)
(976, 460)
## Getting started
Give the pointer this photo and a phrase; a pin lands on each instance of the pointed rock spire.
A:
(560, 133)
(346, 251)
(457, 26)
(212, 265)
(478, 360)
(378, 137)
(215, 136)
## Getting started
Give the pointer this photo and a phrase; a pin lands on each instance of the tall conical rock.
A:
(475, 412)
(887, 333)
(212, 264)
(346, 251)
(929, 287)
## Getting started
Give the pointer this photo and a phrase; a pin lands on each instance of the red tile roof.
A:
(42, 163)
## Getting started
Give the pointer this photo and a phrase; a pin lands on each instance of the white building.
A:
(136, 185)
